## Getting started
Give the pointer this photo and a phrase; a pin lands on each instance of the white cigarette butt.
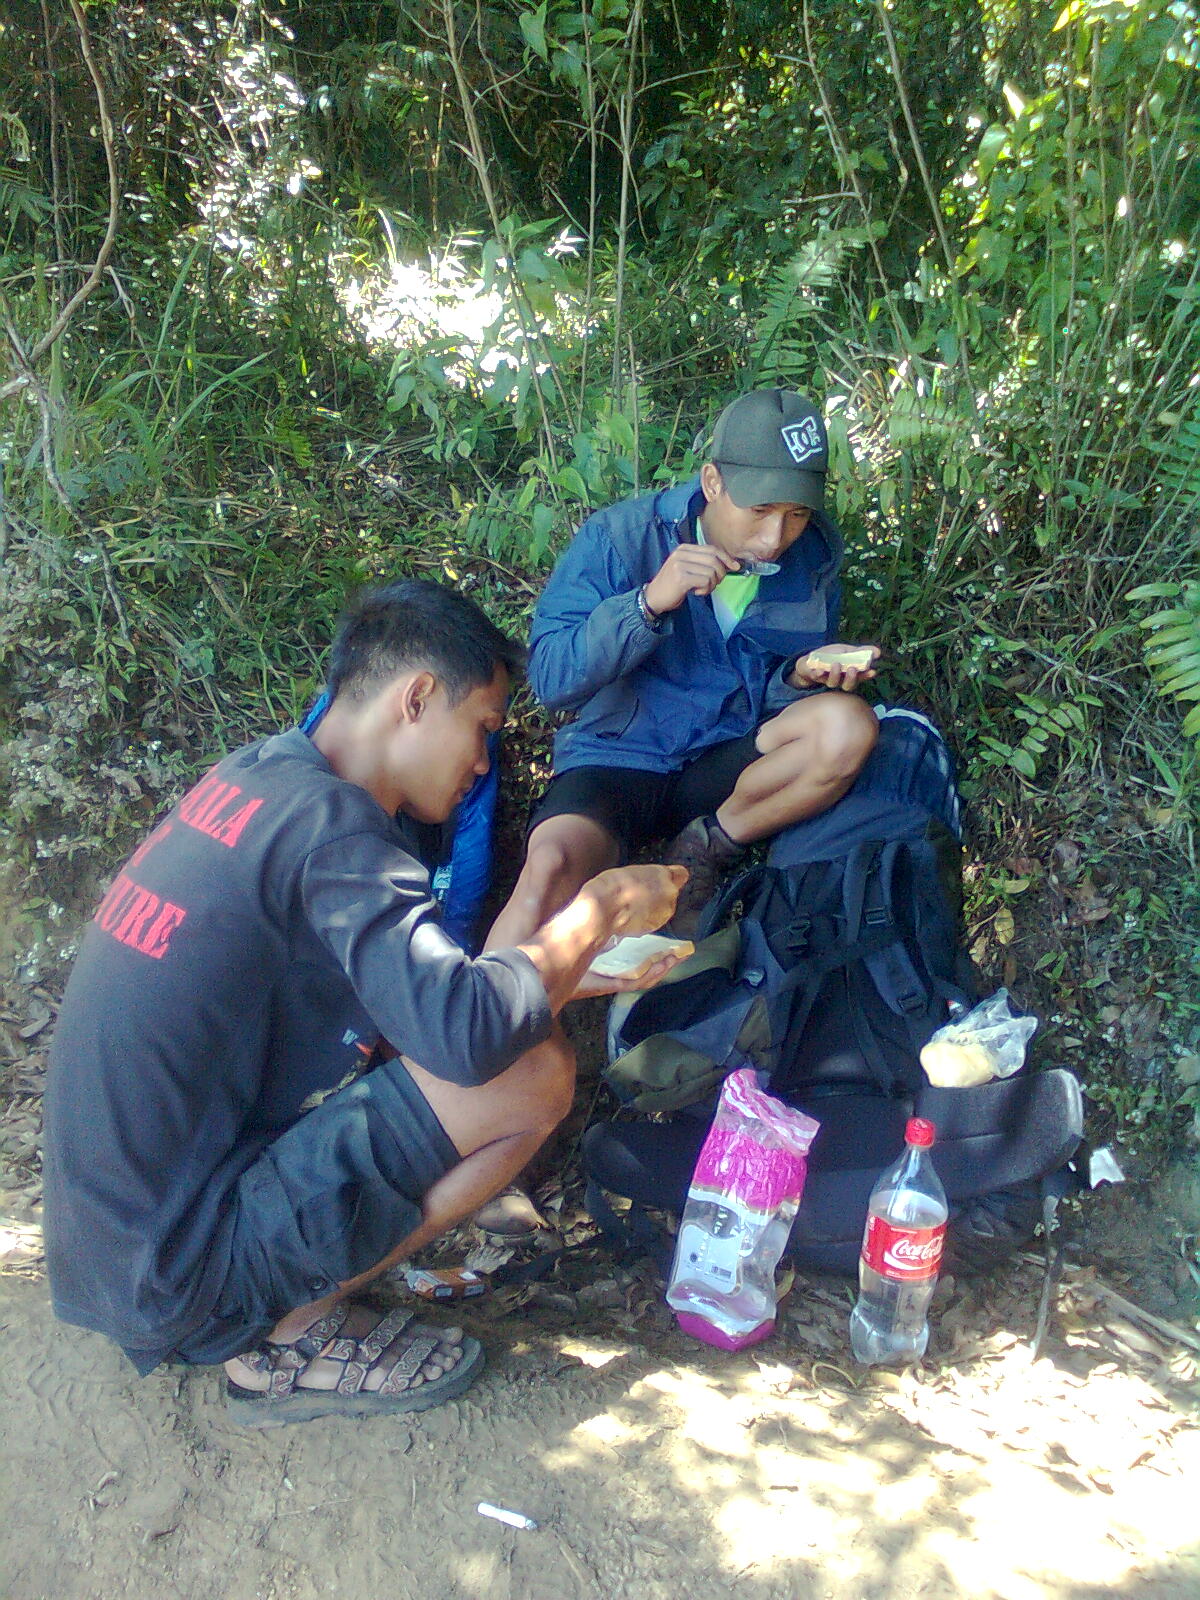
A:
(513, 1518)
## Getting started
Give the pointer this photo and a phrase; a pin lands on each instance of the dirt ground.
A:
(653, 1466)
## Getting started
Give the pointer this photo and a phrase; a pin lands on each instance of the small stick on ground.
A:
(1169, 1330)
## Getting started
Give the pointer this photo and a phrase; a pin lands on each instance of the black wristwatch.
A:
(652, 619)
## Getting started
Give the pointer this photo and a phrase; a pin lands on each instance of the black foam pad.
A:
(994, 1137)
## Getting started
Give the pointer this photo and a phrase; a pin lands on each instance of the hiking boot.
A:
(707, 851)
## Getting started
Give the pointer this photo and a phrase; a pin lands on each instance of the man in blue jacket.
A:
(680, 628)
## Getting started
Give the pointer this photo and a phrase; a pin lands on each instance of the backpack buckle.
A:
(876, 917)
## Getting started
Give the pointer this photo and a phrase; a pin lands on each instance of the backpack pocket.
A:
(674, 1043)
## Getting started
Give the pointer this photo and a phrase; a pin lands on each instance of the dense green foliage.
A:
(411, 287)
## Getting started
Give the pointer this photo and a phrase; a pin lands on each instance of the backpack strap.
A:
(747, 883)
(630, 1236)
(898, 982)
(860, 864)
(842, 908)
(886, 1079)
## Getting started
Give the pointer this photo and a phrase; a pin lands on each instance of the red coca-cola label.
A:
(907, 1253)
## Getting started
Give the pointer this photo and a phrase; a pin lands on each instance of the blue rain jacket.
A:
(654, 700)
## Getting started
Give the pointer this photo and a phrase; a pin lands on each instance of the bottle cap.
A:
(920, 1132)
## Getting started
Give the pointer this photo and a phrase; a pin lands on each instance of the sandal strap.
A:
(285, 1365)
(340, 1349)
(409, 1363)
(285, 1362)
(384, 1333)
(318, 1334)
(398, 1378)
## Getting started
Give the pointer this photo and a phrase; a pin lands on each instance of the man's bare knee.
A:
(562, 854)
(530, 1098)
(846, 732)
(552, 1066)
(549, 862)
(831, 734)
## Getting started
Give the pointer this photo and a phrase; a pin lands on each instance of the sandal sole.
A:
(254, 1409)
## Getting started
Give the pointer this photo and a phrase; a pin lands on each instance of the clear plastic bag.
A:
(983, 1043)
(740, 1208)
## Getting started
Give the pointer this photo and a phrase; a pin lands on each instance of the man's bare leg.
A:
(810, 754)
(496, 1128)
(562, 854)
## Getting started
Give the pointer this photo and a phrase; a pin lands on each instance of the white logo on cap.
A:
(803, 440)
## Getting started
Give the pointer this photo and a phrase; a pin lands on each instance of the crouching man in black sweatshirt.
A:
(274, 1075)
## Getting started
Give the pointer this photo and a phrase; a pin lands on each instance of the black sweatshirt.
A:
(244, 963)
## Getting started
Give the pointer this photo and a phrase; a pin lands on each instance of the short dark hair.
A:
(416, 623)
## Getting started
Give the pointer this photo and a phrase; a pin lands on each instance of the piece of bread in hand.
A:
(630, 958)
(860, 657)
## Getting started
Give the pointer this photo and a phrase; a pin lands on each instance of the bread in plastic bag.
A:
(984, 1043)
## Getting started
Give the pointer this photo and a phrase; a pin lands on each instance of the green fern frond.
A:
(913, 418)
(18, 199)
(775, 345)
(1179, 462)
(1172, 644)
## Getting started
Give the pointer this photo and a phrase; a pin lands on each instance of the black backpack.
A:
(835, 974)
(846, 958)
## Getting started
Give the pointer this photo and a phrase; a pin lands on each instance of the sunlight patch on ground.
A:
(478, 1573)
(20, 1243)
(593, 1352)
(1025, 1486)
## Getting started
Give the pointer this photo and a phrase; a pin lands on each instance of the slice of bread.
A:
(629, 958)
(829, 655)
(950, 1065)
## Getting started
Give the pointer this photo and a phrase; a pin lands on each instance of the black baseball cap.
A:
(772, 449)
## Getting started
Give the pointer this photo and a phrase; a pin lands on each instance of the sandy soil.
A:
(654, 1466)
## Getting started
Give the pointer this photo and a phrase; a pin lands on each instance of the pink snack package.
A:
(740, 1208)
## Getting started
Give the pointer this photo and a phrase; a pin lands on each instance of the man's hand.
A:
(836, 666)
(592, 984)
(638, 899)
(689, 569)
(646, 896)
(623, 900)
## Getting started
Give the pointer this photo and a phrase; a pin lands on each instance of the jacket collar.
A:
(671, 506)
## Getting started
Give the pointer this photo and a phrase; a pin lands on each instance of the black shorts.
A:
(328, 1200)
(638, 807)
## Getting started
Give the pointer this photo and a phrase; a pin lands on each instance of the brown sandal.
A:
(283, 1401)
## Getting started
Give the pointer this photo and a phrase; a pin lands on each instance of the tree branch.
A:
(930, 193)
(60, 322)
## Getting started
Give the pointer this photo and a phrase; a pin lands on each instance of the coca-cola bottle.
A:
(901, 1252)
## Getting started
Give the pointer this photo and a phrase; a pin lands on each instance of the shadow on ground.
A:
(655, 1468)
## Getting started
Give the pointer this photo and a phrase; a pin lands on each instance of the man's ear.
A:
(711, 481)
(413, 696)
